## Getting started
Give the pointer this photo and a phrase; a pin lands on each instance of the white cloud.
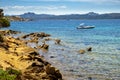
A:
(34, 7)
(38, 9)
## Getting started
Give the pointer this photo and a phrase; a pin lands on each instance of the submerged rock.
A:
(57, 41)
(89, 49)
(81, 51)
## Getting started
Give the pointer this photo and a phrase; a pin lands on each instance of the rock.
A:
(52, 56)
(45, 46)
(44, 76)
(52, 77)
(12, 32)
(16, 54)
(38, 47)
(43, 35)
(58, 74)
(35, 40)
(25, 57)
(89, 49)
(36, 63)
(50, 70)
(81, 51)
(14, 41)
(4, 45)
(53, 73)
(39, 59)
(27, 51)
(37, 35)
(8, 32)
(1, 38)
(57, 41)
(47, 39)
(27, 77)
(89, 78)
(25, 36)
(34, 53)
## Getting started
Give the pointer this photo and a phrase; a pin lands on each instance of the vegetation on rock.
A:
(9, 74)
(4, 22)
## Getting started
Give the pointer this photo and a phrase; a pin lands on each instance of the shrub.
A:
(10, 74)
(13, 71)
(4, 22)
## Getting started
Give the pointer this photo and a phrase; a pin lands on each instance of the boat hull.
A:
(89, 27)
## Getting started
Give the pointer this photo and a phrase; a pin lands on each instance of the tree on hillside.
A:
(3, 21)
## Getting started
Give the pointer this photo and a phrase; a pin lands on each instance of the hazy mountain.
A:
(34, 16)
(90, 15)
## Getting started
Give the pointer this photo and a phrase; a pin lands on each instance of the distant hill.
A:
(17, 18)
(90, 15)
(34, 16)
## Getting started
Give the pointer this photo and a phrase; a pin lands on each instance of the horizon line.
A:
(61, 14)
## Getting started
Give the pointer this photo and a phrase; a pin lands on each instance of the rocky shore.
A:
(16, 54)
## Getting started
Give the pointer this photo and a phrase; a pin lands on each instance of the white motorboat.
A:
(82, 26)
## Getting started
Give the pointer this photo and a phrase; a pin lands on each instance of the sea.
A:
(102, 63)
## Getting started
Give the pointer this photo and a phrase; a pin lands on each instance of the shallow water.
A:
(100, 64)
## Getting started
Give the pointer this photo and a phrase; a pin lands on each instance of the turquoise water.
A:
(105, 31)
(103, 61)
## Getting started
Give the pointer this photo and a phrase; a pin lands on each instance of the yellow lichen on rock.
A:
(15, 54)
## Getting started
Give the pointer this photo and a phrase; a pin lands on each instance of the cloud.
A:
(34, 7)
(22, 9)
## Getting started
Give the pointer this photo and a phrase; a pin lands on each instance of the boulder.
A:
(58, 74)
(53, 73)
(45, 46)
(81, 51)
(57, 41)
(89, 49)
(50, 70)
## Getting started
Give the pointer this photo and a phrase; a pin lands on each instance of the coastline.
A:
(16, 54)
(40, 46)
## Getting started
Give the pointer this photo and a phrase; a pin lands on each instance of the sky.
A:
(59, 7)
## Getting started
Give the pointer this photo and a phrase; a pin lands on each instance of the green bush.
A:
(13, 71)
(10, 74)
(4, 22)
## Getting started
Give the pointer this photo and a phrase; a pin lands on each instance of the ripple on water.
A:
(100, 62)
